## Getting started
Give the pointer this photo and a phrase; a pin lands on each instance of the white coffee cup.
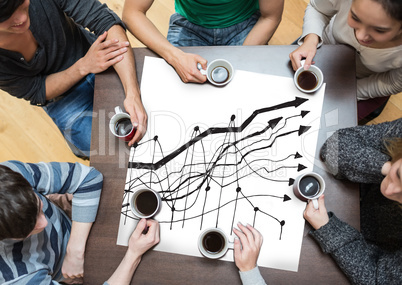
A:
(120, 125)
(145, 202)
(309, 186)
(219, 72)
(213, 243)
(310, 80)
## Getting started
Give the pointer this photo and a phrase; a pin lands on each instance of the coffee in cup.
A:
(120, 125)
(309, 186)
(213, 243)
(310, 80)
(145, 202)
(219, 72)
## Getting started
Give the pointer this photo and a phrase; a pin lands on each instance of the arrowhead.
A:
(291, 181)
(304, 113)
(301, 167)
(298, 155)
(298, 101)
(272, 123)
(286, 198)
(303, 129)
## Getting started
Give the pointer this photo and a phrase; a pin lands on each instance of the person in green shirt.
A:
(203, 23)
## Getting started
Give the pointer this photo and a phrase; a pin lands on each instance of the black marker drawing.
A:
(186, 177)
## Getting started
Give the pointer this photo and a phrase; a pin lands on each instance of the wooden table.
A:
(110, 156)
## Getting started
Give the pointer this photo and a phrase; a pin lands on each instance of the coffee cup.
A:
(219, 72)
(213, 243)
(309, 186)
(120, 125)
(310, 80)
(145, 202)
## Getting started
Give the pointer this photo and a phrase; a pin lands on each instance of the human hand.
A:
(139, 242)
(73, 265)
(102, 54)
(307, 50)
(316, 217)
(185, 65)
(247, 247)
(139, 118)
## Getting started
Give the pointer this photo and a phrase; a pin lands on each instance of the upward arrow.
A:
(303, 129)
(272, 123)
(294, 103)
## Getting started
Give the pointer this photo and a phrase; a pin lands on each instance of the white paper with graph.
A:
(219, 156)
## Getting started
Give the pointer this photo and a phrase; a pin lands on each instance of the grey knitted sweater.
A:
(374, 255)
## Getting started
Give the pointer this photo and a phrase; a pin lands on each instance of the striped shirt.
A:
(38, 259)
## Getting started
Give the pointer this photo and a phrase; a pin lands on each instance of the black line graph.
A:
(206, 184)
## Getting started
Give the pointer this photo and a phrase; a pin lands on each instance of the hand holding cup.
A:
(145, 202)
(120, 125)
(219, 72)
(309, 186)
(310, 80)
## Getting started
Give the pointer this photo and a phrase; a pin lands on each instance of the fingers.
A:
(104, 53)
(241, 236)
(316, 218)
(153, 226)
(101, 38)
(140, 126)
(141, 226)
(295, 58)
(152, 235)
(138, 116)
(248, 235)
(321, 204)
(246, 247)
(202, 61)
(134, 121)
(187, 69)
(309, 61)
(146, 227)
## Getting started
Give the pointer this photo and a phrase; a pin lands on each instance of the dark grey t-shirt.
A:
(58, 27)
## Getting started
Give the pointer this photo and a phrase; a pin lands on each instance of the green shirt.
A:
(216, 13)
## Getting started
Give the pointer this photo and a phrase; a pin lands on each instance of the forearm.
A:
(264, 29)
(126, 67)
(314, 21)
(339, 151)
(262, 32)
(363, 263)
(125, 271)
(380, 84)
(145, 31)
(60, 82)
(78, 239)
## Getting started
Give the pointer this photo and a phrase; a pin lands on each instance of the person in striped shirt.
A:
(39, 244)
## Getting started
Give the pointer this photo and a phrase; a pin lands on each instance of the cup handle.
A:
(117, 109)
(203, 71)
(315, 203)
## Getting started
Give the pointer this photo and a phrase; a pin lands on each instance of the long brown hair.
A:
(394, 148)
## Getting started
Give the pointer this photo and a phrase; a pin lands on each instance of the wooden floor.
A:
(28, 134)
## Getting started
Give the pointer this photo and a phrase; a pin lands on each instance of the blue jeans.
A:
(72, 113)
(184, 33)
